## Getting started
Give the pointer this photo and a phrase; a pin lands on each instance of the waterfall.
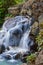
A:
(24, 40)
(15, 32)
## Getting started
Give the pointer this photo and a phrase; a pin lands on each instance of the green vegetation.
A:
(39, 40)
(3, 10)
(31, 58)
(4, 4)
(19, 1)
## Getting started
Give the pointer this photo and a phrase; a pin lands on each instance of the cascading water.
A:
(15, 32)
(24, 40)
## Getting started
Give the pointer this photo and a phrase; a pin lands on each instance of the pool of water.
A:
(10, 63)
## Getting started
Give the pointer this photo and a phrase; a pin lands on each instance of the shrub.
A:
(39, 40)
(31, 58)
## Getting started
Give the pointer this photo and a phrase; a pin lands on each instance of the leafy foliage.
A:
(4, 4)
(39, 40)
(3, 10)
(31, 58)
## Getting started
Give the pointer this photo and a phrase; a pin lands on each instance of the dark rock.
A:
(7, 57)
(33, 48)
(24, 57)
(32, 36)
(8, 48)
(34, 45)
(2, 48)
(17, 56)
(26, 54)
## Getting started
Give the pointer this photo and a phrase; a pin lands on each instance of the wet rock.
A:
(7, 57)
(32, 36)
(33, 48)
(2, 48)
(26, 54)
(39, 59)
(24, 57)
(8, 48)
(17, 56)
(33, 45)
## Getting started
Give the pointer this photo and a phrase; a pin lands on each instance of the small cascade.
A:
(25, 40)
(15, 33)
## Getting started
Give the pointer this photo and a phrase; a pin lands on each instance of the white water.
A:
(16, 33)
(24, 40)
